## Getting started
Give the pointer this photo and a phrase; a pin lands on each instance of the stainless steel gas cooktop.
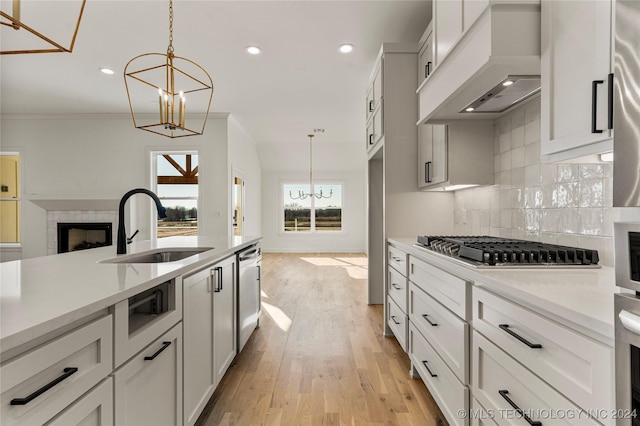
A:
(490, 252)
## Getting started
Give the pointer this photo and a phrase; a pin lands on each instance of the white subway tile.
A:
(517, 157)
(549, 220)
(532, 132)
(568, 172)
(532, 175)
(517, 136)
(591, 221)
(591, 171)
(532, 153)
(591, 193)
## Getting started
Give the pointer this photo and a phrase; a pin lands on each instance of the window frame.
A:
(154, 183)
(313, 231)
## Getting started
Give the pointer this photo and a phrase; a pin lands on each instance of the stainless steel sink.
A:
(159, 255)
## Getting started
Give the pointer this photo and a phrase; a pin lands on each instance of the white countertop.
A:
(42, 294)
(579, 298)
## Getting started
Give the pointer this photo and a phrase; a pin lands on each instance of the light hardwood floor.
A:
(319, 356)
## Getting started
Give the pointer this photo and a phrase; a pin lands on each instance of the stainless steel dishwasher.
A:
(249, 262)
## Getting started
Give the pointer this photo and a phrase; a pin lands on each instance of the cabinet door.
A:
(432, 154)
(224, 316)
(447, 27)
(93, 409)
(575, 61)
(199, 375)
(148, 388)
(425, 60)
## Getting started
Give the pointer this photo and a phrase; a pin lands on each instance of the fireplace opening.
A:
(83, 236)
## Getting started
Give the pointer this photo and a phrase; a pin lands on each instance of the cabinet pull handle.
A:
(594, 105)
(393, 318)
(427, 69)
(505, 327)
(165, 345)
(371, 103)
(66, 373)
(396, 286)
(426, 318)
(428, 369)
(427, 170)
(396, 258)
(218, 288)
(610, 103)
(503, 393)
(371, 139)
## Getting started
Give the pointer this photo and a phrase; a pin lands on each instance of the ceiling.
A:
(298, 83)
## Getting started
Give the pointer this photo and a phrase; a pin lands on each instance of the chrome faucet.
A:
(122, 234)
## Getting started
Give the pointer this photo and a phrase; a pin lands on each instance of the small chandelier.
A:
(303, 195)
(167, 80)
(18, 26)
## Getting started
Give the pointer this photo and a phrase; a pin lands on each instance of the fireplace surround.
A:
(73, 236)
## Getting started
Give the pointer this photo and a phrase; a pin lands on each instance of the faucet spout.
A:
(122, 233)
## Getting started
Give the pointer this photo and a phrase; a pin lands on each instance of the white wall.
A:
(243, 156)
(102, 157)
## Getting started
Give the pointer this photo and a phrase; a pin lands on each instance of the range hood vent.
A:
(510, 91)
(504, 42)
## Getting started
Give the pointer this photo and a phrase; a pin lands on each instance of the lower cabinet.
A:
(209, 333)
(148, 388)
(93, 409)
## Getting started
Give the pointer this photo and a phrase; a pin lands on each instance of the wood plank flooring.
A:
(319, 356)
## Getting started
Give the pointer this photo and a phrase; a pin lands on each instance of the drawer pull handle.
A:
(165, 345)
(396, 258)
(66, 373)
(396, 286)
(503, 393)
(428, 369)
(426, 318)
(393, 318)
(505, 327)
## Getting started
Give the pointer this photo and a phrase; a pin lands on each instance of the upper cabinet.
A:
(391, 86)
(447, 25)
(577, 92)
(426, 61)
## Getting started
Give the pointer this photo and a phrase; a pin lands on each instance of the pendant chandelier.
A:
(19, 33)
(168, 80)
(304, 195)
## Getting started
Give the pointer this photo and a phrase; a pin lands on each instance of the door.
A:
(9, 195)
(237, 203)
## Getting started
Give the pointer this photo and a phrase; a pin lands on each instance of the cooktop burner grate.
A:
(496, 251)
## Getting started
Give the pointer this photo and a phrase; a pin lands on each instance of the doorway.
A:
(237, 204)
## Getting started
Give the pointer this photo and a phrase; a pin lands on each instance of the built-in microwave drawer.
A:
(450, 395)
(397, 259)
(397, 321)
(453, 292)
(42, 382)
(506, 388)
(397, 289)
(577, 366)
(447, 333)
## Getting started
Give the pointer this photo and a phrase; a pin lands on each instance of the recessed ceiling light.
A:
(346, 48)
(470, 109)
(508, 83)
(253, 50)
(107, 71)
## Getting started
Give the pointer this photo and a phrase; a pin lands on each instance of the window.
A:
(9, 197)
(312, 214)
(176, 181)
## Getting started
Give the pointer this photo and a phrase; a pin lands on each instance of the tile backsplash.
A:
(569, 204)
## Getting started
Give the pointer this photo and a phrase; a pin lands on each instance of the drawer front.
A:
(500, 383)
(575, 365)
(94, 408)
(51, 377)
(397, 259)
(479, 416)
(397, 320)
(447, 333)
(448, 392)
(451, 291)
(397, 289)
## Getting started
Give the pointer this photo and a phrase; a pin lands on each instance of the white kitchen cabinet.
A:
(447, 26)
(426, 61)
(209, 333)
(148, 388)
(397, 289)
(93, 409)
(455, 155)
(576, 61)
(42, 382)
(374, 103)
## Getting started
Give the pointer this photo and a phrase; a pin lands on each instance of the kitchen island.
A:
(92, 314)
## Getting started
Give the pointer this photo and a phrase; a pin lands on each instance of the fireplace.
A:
(83, 235)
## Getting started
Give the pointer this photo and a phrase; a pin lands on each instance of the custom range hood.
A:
(494, 66)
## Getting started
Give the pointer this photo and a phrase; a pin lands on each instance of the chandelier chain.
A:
(170, 48)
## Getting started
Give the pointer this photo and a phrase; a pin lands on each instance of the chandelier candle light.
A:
(303, 195)
(167, 78)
